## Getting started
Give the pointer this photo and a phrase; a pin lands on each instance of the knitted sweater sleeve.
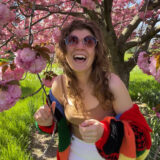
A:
(126, 136)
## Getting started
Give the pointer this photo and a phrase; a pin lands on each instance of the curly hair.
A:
(100, 68)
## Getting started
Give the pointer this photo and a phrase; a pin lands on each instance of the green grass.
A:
(17, 123)
(128, 55)
(144, 88)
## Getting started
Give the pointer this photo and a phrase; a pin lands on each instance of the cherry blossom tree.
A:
(30, 29)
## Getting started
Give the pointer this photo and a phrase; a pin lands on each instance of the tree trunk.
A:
(121, 70)
(123, 73)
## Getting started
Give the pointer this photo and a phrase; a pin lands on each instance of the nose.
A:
(80, 44)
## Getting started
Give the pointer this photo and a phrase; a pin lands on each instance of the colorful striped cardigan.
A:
(125, 137)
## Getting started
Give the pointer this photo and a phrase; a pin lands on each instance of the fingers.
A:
(88, 134)
(87, 123)
(53, 105)
(44, 115)
(87, 130)
(91, 130)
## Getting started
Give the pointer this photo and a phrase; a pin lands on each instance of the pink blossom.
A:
(152, 66)
(37, 65)
(17, 53)
(5, 15)
(18, 61)
(8, 75)
(56, 35)
(18, 73)
(148, 14)
(9, 97)
(14, 47)
(153, 108)
(0, 73)
(4, 97)
(14, 91)
(143, 62)
(90, 4)
(99, 1)
(5, 56)
(25, 59)
(2, 82)
(51, 48)
(47, 82)
(27, 55)
(20, 33)
(155, 72)
(5, 100)
(158, 114)
(157, 77)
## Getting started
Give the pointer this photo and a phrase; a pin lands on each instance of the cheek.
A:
(93, 53)
(69, 49)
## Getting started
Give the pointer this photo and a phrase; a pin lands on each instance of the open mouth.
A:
(79, 58)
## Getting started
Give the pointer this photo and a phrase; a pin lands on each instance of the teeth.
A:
(80, 56)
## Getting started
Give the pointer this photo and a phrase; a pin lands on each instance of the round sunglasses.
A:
(88, 41)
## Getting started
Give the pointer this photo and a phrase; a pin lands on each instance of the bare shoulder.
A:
(115, 82)
(122, 99)
(57, 88)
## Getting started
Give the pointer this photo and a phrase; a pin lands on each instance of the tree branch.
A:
(148, 5)
(143, 39)
(7, 41)
(157, 36)
(32, 93)
(92, 13)
(109, 33)
(129, 30)
(130, 64)
(107, 14)
(65, 13)
(153, 4)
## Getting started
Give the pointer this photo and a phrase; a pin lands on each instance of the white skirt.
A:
(81, 150)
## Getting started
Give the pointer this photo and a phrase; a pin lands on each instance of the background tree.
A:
(29, 30)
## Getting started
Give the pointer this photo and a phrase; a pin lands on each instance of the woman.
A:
(97, 119)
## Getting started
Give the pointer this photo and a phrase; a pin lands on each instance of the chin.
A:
(80, 70)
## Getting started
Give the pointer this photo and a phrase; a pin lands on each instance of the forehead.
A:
(81, 32)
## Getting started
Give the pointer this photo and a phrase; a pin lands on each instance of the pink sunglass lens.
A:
(72, 40)
(90, 41)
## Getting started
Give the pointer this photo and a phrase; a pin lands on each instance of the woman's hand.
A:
(91, 130)
(44, 116)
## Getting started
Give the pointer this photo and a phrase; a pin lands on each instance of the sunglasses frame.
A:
(95, 41)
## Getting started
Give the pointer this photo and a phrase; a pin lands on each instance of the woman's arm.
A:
(44, 116)
(122, 101)
(127, 135)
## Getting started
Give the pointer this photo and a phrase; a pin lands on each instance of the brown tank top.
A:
(76, 117)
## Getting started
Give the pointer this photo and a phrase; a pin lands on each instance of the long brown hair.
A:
(100, 67)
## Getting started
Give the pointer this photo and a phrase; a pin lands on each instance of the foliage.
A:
(30, 30)
(16, 123)
(144, 88)
(146, 91)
